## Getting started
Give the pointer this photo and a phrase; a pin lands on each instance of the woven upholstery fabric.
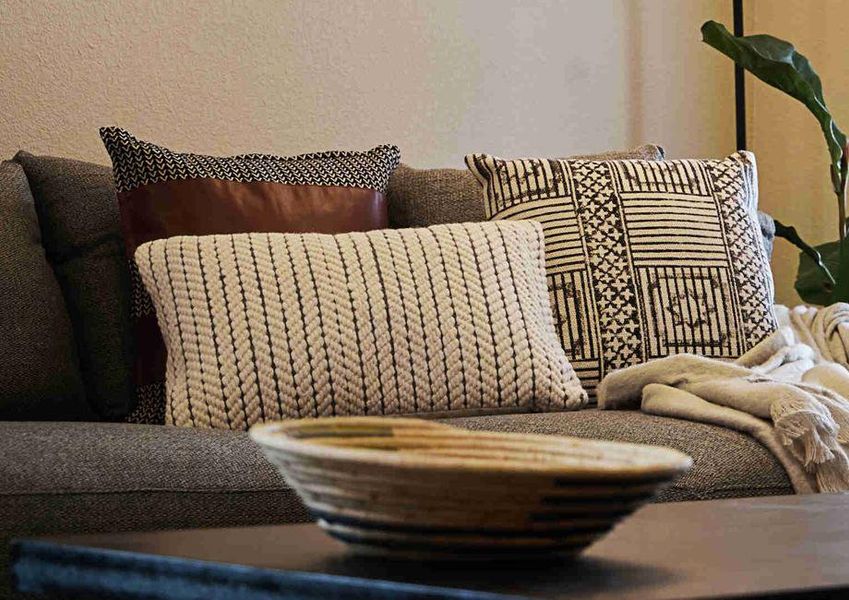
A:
(116, 477)
(116, 458)
(81, 234)
(644, 258)
(767, 224)
(726, 463)
(162, 193)
(110, 477)
(425, 197)
(452, 318)
(40, 376)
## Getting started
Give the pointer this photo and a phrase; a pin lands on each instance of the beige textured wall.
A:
(438, 78)
(792, 157)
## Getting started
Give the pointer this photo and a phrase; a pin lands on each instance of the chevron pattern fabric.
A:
(447, 320)
(162, 193)
(643, 258)
(136, 162)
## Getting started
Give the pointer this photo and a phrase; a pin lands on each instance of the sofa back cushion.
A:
(767, 225)
(425, 197)
(40, 377)
(81, 233)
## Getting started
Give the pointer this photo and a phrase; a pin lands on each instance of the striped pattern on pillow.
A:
(452, 319)
(643, 258)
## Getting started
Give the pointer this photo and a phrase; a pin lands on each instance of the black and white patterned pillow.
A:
(162, 193)
(643, 258)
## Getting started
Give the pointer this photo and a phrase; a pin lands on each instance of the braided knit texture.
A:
(448, 319)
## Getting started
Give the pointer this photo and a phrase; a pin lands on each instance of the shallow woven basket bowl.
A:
(423, 489)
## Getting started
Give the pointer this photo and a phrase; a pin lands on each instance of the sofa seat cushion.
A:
(119, 458)
(726, 463)
(99, 477)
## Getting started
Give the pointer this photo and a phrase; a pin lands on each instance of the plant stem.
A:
(840, 293)
(840, 181)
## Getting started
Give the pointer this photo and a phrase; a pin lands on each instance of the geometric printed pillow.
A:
(162, 193)
(643, 258)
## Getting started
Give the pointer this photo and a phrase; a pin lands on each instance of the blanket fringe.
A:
(832, 475)
(811, 435)
(807, 436)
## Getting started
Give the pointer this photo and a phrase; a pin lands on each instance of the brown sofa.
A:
(69, 464)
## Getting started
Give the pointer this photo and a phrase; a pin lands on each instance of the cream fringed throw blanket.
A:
(789, 392)
(826, 330)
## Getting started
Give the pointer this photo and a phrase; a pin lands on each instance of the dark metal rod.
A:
(739, 81)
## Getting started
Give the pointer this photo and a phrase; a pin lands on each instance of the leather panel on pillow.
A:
(209, 206)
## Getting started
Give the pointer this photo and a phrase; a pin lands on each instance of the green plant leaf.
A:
(790, 234)
(812, 285)
(777, 63)
(815, 281)
(841, 290)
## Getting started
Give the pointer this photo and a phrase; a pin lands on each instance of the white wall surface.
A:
(438, 78)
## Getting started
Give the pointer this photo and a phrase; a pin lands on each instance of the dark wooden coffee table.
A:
(778, 547)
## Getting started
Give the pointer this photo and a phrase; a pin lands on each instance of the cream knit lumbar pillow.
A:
(452, 319)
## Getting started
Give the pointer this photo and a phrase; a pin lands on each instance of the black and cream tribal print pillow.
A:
(451, 320)
(643, 258)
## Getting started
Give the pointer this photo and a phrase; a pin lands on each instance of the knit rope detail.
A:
(453, 318)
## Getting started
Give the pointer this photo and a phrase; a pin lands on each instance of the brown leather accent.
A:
(216, 206)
